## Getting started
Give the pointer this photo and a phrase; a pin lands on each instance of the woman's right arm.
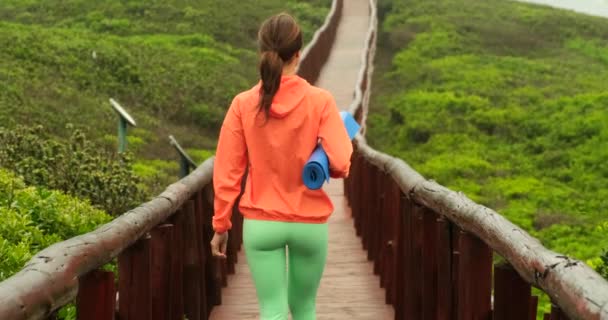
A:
(335, 140)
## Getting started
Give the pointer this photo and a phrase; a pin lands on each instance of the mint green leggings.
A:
(282, 287)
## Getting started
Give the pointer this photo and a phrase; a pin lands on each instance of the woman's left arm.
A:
(229, 167)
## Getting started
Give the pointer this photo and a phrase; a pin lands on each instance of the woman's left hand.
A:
(219, 244)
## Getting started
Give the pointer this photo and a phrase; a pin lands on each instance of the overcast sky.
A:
(594, 7)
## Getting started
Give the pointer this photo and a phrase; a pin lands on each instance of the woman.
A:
(272, 129)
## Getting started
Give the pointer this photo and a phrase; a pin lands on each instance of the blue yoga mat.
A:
(316, 170)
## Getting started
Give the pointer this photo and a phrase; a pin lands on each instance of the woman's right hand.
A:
(219, 243)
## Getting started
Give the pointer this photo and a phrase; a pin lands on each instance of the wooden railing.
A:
(165, 268)
(164, 265)
(433, 247)
(315, 55)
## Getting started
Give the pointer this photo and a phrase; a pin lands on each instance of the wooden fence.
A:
(433, 247)
(315, 55)
(164, 264)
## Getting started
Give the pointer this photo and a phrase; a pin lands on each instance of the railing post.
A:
(192, 265)
(160, 273)
(96, 296)
(376, 218)
(366, 198)
(511, 294)
(177, 262)
(357, 205)
(400, 256)
(473, 276)
(411, 294)
(481, 259)
(429, 265)
(134, 281)
(200, 231)
(444, 268)
(533, 307)
(392, 228)
(370, 207)
(417, 254)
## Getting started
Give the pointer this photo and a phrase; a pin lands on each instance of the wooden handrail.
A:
(317, 52)
(50, 279)
(575, 287)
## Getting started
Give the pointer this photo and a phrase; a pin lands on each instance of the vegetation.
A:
(506, 102)
(74, 166)
(34, 218)
(175, 66)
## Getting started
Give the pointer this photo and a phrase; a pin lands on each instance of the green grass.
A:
(506, 102)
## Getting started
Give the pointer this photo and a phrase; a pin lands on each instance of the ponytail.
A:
(271, 69)
(279, 39)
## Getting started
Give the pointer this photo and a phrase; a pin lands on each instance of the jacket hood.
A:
(292, 91)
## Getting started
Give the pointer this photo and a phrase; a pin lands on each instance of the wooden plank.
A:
(192, 264)
(533, 307)
(444, 268)
(400, 260)
(429, 265)
(200, 231)
(481, 267)
(177, 262)
(511, 294)
(160, 273)
(134, 281)
(407, 299)
(415, 261)
(96, 296)
(458, 290)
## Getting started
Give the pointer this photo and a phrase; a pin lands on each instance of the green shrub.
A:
(483, 98)
(33, 218)
(76, 166)
(603, 267)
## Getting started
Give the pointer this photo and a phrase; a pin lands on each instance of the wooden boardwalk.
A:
(349, 290)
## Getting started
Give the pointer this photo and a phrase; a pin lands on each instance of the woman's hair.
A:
(279, 38)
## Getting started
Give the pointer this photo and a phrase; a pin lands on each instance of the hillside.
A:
(174, 65)
(506, 102)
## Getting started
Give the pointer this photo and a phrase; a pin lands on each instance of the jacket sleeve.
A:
(335, 140)
(229, 167)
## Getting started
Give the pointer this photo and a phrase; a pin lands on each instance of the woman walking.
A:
(272, 130)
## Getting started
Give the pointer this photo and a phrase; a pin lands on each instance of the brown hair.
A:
(279, 38)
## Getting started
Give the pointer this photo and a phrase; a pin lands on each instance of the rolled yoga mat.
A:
(316, 170)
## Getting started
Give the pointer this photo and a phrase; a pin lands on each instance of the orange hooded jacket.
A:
(275, 150)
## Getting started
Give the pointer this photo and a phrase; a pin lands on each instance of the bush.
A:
(603, 267)
(35, 218)
(485, 99)
(76, 166)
